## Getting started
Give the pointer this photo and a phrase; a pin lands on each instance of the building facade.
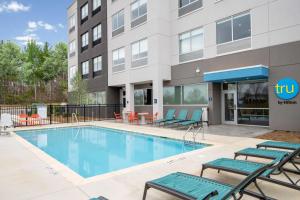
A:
(72, 44)
(237, 59)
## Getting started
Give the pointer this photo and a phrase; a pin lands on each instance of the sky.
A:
(39, 20)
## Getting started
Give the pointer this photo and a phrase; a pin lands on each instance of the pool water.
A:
(91, 151)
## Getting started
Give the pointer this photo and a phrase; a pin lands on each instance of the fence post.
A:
(84, 112)
(67, 113)
(26, 119)
(50, 111)
(99, 112)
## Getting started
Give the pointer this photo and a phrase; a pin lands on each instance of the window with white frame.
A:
(72, 21)
(97, 32)
(183, 3)
(139, 50)
(118, 20)
(119, 56)
(85, 11)
(191, 41)
(96, 4)
(97, 63)
(72, 72)
(85, 67)
(138, 9)
(234, 28)
(72, 47)
(85, 40)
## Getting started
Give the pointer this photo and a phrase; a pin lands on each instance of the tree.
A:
(32, 67)
(79, 90)
(55, 66)
(10, 62)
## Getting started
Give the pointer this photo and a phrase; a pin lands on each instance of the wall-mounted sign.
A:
(286, 89)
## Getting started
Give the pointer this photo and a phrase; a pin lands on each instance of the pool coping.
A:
(78, 180)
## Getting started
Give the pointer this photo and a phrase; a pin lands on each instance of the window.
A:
(186, 95)
(138, 9)
(97, 63)
(139, 50)
(85, 68)
(119, 57)
(85, 41)
(118, 20)
(195, 94)
(72, 47)
(72, 72)
(253, 103)
(72, 22)
(96, 4)
(183, 3)
(191, 41)
(97, 98)
(97, 33)
(172, 95)
(84, 11)
(143, 97)
(234, 28)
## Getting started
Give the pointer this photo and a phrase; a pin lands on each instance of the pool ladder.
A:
(74, 116)
(194, 131)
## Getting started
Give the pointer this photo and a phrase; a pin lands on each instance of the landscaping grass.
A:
(282, 136)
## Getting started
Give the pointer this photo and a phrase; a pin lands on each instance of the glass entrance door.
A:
(229, 107)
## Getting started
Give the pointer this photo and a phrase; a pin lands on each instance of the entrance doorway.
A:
(245, 103)
(229, 104)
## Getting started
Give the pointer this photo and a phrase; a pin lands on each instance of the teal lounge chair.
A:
(169, 116)
(190, 187)
(195, 119)
(243, 167)
(279, 145)
(181, 117)
(261, 153)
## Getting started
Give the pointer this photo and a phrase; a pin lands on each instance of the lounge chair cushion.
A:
(244, 166)
(194, 186)
(283, 145)
(264, 153)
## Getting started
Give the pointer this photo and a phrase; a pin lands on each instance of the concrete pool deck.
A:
(27, 173)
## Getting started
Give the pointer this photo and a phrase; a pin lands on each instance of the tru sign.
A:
(286, 89)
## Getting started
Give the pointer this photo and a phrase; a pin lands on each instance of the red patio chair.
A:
(133, 116)
(118, 116)
(151, 118)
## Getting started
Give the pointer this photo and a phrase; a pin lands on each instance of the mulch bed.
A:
(282, 136)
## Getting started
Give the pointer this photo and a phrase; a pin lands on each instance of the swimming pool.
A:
(91, 151)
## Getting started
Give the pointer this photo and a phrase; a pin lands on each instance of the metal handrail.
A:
(74, 116)
(194, 132)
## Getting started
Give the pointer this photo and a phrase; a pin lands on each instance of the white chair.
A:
(6, 122)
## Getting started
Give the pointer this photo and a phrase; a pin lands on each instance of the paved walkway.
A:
(24, 175)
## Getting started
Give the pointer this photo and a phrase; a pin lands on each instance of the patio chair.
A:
(151, 118)
(196, 119)
(243, 167)
(6, 122)
(23, 118)
(190, 187)
(35, 119)
(278, 145)
(169, 116)
(133, 116)
(118, 116)
(181, 117)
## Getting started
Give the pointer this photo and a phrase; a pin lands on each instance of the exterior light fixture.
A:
(198, 70)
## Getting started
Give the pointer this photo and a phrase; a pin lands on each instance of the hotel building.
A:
(232, 57)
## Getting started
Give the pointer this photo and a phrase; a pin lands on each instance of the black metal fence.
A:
(59, 114)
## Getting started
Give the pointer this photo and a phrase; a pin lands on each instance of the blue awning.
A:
(238, 74)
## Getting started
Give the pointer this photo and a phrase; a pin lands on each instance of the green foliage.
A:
(37, 68)
(79, 90)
